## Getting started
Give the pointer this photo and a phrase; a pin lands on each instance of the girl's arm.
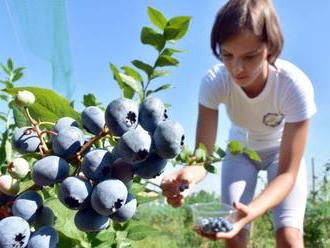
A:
(205, 133)
(291, 152)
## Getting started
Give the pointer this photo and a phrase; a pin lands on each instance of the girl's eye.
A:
(226, 55)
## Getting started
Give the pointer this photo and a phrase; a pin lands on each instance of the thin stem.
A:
(46, 123)
(36, 128)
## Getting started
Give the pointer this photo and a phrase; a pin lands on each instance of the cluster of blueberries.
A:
(147, 138)
(214, 225)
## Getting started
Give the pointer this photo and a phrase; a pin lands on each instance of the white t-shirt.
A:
(258, 122)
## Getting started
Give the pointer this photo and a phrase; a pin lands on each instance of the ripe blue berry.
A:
(87, 220)
(63, 123)
(25, 140)
(67, 142)
(168, 139)
(44, 237)
(26, 205)
(127, 211)
(122, 171)
(152, 112)
(93, 119)
(108, 196)
(134, 145)
(74, 192)
(50, 170)
(97, 164)
(152, 167)
(121, 115)
(14, 232)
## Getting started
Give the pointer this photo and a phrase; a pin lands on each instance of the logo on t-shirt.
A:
(272, 119)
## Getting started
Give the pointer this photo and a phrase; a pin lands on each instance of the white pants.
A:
(239, 180)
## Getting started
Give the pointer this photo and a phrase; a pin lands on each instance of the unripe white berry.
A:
(24, 98)
(9, 185)
(18, 168)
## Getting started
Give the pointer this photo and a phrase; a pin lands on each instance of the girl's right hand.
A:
(176, 186)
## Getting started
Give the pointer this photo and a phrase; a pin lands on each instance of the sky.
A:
(104, 31)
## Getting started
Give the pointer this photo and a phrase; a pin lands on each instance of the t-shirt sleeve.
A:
(213, 89)
(299, 103)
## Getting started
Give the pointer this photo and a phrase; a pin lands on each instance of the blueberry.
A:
(122, 171)
(134, 145)
(43, 237)
(87, 220)
(127, 211)
(151, 112)
(108, 196)
(5, 198)
(168, 139)
(74, 192)
(183, 187)
(27, 205)
(44, 217)
(121, 115)
(152, 167)
(14, 232)
(93, 119)
(25, 140)
(67, 142)
(50, 170)
(63, 123)
(97, 164)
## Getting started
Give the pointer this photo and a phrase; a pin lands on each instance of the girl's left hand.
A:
(244, 216)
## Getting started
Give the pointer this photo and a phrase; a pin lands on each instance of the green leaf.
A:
(151, 37)
(2, 117)
(19, 69)
(127, 91)
(132, 83)
(200, 155)
(163, 87)
(3, 146)
(219, 151)
(235, 147)
(253, 155)
(157, 18)
(176, 27)
(165, 60)
(143, 66)
(6, 69)
(184, 154)
(24, 185)
(159, 73)
(4, 97)
(133, 73)
(19, 117)
(171, 51)
(210, 168)
(10, 64)
(138, 231)
(49, 105)
(7, 83)
(90, 100)
(17, 76)
(65, 220)
(203, 147)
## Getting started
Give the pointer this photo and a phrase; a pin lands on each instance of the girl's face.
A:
(245, 58)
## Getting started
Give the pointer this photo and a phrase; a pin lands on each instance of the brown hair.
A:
(258, 16)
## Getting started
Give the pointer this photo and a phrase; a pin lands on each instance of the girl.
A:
(269, 102)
